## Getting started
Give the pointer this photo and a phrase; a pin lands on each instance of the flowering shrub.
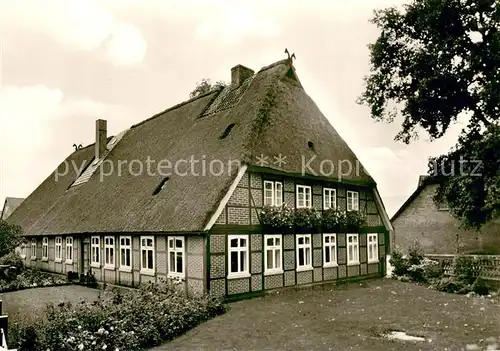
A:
(353, 220)
(331, 220)
(306, 219)
(30, 278)
(118, 320)
(463, 279)
(280, 218)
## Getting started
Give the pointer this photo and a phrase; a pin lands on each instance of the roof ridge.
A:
(277, 63)
(215, 90)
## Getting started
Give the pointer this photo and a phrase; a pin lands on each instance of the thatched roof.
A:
(272, 115)
(10, 204)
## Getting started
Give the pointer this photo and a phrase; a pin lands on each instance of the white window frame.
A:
(352, 201)
(69, 249)
(307, 193)
(242, 273)
(109, 246)
(330, 245)
(329, 198)
(276, 249)
(174, 250)
(372, 247)
(276, 193)
(95, 251)
(45, 248)
(147, 248)
(58, 249)
(124, 247)
(354, 243)
(307, 249)
(33, 249)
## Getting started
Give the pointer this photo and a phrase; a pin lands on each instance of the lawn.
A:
(348, 317)
(25, 304)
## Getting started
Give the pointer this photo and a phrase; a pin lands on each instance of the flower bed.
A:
(121, 319)
(309, 220)
(30, 278)
(461, 276)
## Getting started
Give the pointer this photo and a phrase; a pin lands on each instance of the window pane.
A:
(308, 256)
(333, 254)
(172, 261)
(269, 259)
(301, 257)
(150, 259)
(150, 242)
(178, 243)
(243, 261)
(327, 255)
(234, 242)
(270, 242)
(112, 256)
(327, 239)
(144, 259)
(234, 262)
(350, 253)
(277, 241)
(277, 259)
(179, 262)
(307, 240)
(301, 241)
(243, 242)
(122, 257)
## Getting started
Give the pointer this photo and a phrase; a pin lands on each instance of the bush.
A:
(30, 278)
(415, 253)
(276, 218)
(118, 320)
(12, 259)
(451, 285)
(480, 287)
(306, 219)
(400, 264)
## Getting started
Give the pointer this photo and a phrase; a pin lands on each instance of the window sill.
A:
(68, 261)
(58, 260)
(177, 277)
(238, 275)
(356, 263)
(373, 261)
(109, 267)
(45, 259)
(125, 269)
(276, 272)
(149, 272)
(95, 265)
(330, 265)
(304, 269)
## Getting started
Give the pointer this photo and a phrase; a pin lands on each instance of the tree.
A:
(434, 62)
(206, 86)
(10, 237)
(469, 178)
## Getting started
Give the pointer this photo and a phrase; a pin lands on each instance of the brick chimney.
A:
(101, 137)
(239, 74)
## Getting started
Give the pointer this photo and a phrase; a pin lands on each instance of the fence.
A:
(484, 266)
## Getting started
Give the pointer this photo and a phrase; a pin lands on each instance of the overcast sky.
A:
(66, 63)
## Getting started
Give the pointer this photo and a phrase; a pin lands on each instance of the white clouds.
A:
(125, 45)
(229, 23)
(79, 25)
(39, 125)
